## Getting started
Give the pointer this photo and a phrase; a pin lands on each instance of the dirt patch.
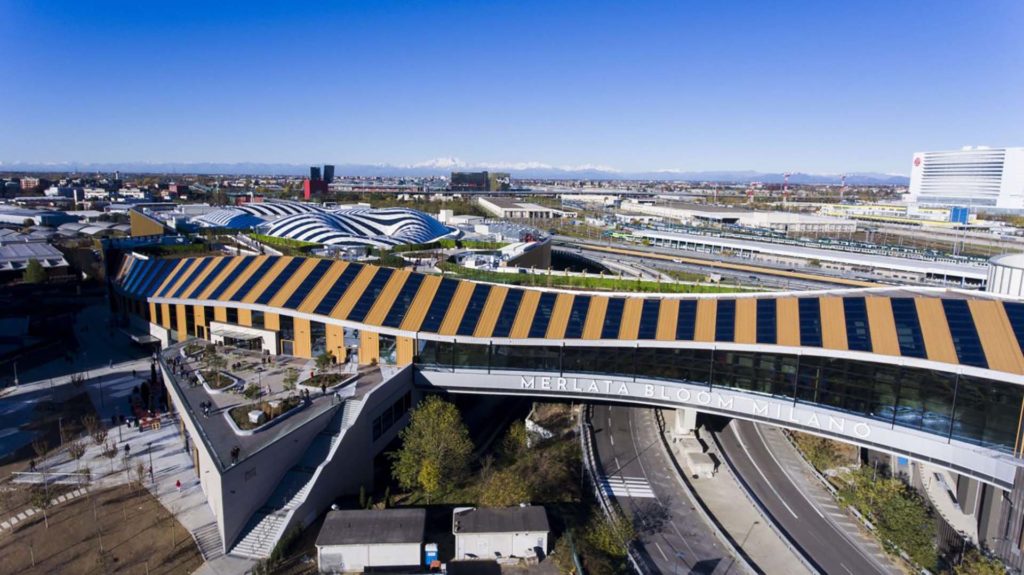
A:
(117, 530)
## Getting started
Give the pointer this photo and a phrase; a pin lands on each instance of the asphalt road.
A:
(638, 474)
(825, 544)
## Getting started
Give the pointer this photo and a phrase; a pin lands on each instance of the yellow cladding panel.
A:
(707, 310)
(353, 293)
(170, 276)
(595, 317)
(244, 276)
(404, 350)
(629, 327)
(179, 310)
(336, 342)
(998, 340)
(303, 345)
(882, 326)
(668, 318)
(420, 304)
(220, 314)
(220, 277)
(272, 321)
(746, 321)
(153, 318)
(199, 279)
(456, 309)
(386, 298)
(524, 319)
(183, 277)
(165, 315)
(489, 315)
(322, 287)
(245, 317)
(264, 282)
(289, 287)
(787, 321)
(199, 314)
(833, 323)
(938, 341)
(560, 316)
(369, 347)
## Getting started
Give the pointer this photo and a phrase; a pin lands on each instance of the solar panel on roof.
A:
(908, 327)
(858, 330)
(508, 312)
(965, 334)
(254, 279)
(370, 294)
(246, 262)
(766, 321)
(338, 289)
(439, 305)
(402, 302)
(196, 272)
(467, 326)
(686, 322)
(725, 320)
(577, 317)
(542, 317)
(810, 321)
(279, 281)
(221, 264)
(613, 318)
(649, 319)
(307, 284)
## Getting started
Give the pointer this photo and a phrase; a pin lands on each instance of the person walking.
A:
(177, 485)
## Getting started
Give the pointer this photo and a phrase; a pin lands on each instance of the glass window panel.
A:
(725, 320)
(987, 412)
(542, 317)
(469, 355)
(526, 358)
(858, 331)
(613, 318)
(598, 360)
(687, 320)
(685, 365)
(577, 317)
(1015, 311)
(908, 328)
(810, 322)
(766, 321)
(649, 319)
(965, 335)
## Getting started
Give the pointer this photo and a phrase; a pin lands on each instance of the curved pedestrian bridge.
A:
(933, 374)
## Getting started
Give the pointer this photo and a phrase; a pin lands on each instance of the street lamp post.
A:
(120, 438)
(149, 448)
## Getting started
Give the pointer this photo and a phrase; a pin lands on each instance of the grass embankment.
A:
(285, 245)
(580, 282)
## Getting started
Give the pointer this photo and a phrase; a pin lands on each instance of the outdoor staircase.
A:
(208, 541)
(268, 524)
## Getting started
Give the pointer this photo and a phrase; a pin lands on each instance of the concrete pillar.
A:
(684, 424)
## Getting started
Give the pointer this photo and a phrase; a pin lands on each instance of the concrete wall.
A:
(538, 257)
(337, 558)
(485, 545)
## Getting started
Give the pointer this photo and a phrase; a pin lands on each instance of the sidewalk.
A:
(744, 524)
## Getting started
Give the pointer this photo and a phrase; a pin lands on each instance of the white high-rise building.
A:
(973, 176)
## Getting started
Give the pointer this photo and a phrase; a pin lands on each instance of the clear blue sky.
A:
(781, 86)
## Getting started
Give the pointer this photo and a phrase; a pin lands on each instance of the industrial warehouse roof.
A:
(500, 520)
(941, 325)
(372, 526)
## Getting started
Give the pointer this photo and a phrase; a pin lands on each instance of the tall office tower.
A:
(314, 173)
(978, 176)
(328, 173)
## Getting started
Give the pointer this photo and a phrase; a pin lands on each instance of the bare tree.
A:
(90, 423)
(110, 452)
(76, 449)
(41, 498)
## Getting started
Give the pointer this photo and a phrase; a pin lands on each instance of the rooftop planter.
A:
(244, 420)
(334, 381)
(226, 382)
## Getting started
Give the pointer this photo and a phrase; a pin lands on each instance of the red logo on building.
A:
(917, 161)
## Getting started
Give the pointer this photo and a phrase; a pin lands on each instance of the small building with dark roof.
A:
(490, 533)
(354, 540)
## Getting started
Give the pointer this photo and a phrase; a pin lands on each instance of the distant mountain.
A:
(444, 166)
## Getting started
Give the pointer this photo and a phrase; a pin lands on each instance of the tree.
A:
(76, 449)
(515, 442)
(611, 535)
(291, 377)
(214, 362)
(504, 488)
(40, 498)
(324, 361)
(34, 272)
(436, 448)
(110, 452)
(974, 563)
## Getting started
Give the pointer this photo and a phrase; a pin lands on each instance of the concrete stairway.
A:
(208, 541)
(268, 524)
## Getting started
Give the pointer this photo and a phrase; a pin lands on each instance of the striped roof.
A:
(947, 326)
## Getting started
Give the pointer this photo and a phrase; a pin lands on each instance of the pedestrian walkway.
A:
(742, 521)
(939, 485)
(635, 487)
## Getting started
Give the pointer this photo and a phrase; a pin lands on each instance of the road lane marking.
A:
(612, 439)
(757, 431)
(633, 487)
(761, 473)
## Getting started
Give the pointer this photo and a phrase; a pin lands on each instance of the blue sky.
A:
(822, 87)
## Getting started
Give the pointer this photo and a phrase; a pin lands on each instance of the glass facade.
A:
(970, 409)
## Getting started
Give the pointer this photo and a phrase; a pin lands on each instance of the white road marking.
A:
(661, 551)
(611, 438)
(757, 431)
(634, 487)
(736, 432)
